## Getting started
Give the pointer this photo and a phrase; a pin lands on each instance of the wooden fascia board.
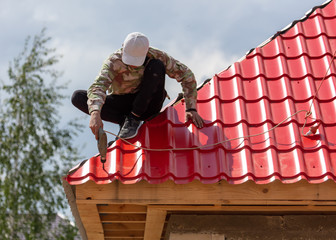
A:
(71, 196)
(221, 193)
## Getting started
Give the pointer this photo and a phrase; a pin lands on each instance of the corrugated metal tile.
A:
(241, 105)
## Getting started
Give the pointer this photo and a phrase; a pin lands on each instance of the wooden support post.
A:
(155, 221)
(91, 221)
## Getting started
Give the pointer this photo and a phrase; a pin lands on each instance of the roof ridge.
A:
(284, 30)
(291, 25)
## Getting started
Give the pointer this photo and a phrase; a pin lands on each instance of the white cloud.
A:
(208, 62)
(207, 36)
(41, 15)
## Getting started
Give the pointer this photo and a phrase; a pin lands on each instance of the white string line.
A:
(309, 113)
(208, 145)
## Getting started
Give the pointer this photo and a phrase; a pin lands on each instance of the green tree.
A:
(34, 150)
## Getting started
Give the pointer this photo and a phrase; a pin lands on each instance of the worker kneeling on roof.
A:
(134, 77)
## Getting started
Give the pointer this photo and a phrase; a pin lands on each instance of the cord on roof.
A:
(208, 145)
(308, 114)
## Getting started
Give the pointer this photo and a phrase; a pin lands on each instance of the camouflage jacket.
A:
(119, 78)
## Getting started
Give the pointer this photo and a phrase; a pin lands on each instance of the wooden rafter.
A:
(155, 221)
(91, 221)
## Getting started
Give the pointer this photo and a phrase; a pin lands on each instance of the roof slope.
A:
(266, 87)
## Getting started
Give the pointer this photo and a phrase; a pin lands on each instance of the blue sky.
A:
(207, 36)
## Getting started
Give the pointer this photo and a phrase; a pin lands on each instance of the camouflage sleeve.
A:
(182, 74)
(97, 91)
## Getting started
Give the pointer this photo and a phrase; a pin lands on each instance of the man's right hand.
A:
(96, 123)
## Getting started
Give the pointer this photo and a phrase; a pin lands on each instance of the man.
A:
(134, 76)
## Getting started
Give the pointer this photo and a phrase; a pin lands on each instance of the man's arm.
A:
(97, 91)
(195, 117)
(189, 88)
(97, 95)
(96, 123)
(186, 77)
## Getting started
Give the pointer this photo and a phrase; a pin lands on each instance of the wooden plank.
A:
(197, 193)
(122, 208)
(280, 202)
(128, 218)
(125, 234)
(154, 223)
(70, 193)
(91, 221)
(246, 209)
(241, 202)
(124, 238)
(123, 226)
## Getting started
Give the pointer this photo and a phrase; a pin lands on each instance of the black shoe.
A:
(130, 128)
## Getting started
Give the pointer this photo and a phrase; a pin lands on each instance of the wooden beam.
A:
(122, 208)
(245, 209)
(91, 221)
(70, 193)
(242, 202)
(125, 234)
(124, 238)
(124, 226)
(220, 193)
(127, 218)
(155, 221)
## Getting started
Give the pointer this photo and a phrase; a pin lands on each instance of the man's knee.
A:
(79, 97)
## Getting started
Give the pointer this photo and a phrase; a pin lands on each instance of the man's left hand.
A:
(195, 117)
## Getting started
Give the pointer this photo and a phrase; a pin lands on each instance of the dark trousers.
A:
(145, 103)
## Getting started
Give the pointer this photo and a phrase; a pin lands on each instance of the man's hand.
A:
(195, 117)
(96, 123)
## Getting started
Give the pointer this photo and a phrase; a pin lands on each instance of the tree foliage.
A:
(34, 150)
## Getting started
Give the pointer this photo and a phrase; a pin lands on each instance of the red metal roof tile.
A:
(241, 106)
